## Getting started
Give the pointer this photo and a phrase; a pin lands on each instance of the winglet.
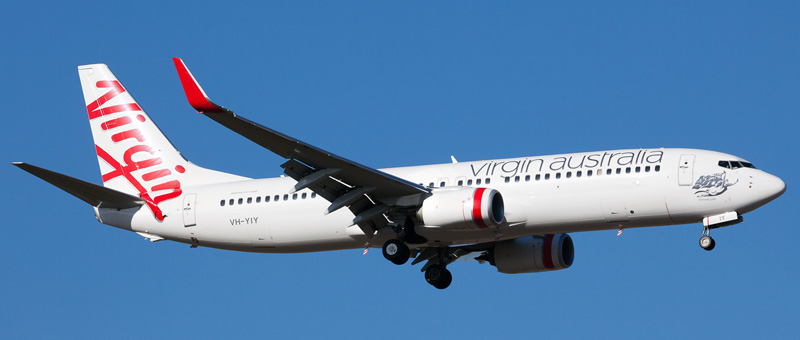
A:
(194, 93)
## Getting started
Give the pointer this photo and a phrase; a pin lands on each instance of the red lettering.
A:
(114, 123)
(175, 186)
(135, 133)
(156, 175)
(130, 163)
(116, 88)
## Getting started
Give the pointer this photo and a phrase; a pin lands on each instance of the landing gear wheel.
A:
(438, 276)
(396, 251)
(707, 243)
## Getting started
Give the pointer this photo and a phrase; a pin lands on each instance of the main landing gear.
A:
(706, 242)
(396, 251)
(438, 276)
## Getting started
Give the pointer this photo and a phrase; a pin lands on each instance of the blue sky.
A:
(387, 85)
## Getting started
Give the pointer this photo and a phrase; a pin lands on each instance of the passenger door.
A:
(685, 170)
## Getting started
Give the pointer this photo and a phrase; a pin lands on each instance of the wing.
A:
(375, 197)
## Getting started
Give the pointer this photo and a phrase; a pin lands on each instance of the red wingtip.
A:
(194, 93)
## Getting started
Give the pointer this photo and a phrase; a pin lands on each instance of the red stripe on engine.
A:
(547, 252)
(476, 208)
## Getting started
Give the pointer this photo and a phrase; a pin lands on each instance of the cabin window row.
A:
(588, 173)
(267, 199)
(478, 181)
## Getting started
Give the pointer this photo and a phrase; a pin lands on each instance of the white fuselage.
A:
(548, 194)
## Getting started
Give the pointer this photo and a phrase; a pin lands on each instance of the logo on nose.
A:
(712, 185)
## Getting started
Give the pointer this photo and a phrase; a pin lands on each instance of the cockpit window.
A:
(735, 165)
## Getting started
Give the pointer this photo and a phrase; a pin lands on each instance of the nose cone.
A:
(771, 187)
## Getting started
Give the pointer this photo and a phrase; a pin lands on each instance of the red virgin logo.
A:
(123, 121)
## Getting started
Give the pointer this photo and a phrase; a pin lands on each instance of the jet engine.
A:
(533, 254)
(463, 209)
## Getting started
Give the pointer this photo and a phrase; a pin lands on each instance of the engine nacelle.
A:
(463, 209)
(533, 254)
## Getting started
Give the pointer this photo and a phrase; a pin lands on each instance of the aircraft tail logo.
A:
(134, 156)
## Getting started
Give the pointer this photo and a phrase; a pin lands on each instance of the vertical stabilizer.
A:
(134, 155)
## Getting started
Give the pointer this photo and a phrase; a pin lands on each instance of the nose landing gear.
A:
(706, 242)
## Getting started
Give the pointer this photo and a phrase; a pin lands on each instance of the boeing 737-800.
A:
(512, 213)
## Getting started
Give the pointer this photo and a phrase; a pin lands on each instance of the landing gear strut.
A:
(706, 242)
(436, 273)
(396, 250)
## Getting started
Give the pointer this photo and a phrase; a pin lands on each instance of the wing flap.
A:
(95, 195)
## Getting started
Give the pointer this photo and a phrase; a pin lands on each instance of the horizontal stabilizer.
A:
(93, 194)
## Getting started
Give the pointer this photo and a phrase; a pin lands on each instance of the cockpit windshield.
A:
(735, 164)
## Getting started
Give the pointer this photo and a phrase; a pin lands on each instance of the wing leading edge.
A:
(372, 195)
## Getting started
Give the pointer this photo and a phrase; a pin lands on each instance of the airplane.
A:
(512, 213)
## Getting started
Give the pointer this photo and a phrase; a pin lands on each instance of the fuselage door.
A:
(685, 172)
(189, 207)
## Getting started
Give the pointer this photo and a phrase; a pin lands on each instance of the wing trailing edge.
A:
(95, 195)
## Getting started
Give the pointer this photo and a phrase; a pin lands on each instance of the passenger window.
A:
(266, 199)
(249, 200)
(430, 185)
(538, 177)
(569, 174)
(647, 169)
(258, 199)
(441, 184)
(516, 179)
(222, 203)
(478, 181)
(294, 196)
(608, 171)
(546, 176)
(488, 180)
(285, 197)
(588, 173)
(658, 168)
(527, 178)
(241, 200)
(230, 202)
(277, 198)
(313, 195)
(460, 182)
(628, 170)
(619, 171)
(578, 173)
(469, 182)
(508, 179)
(558, 175)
